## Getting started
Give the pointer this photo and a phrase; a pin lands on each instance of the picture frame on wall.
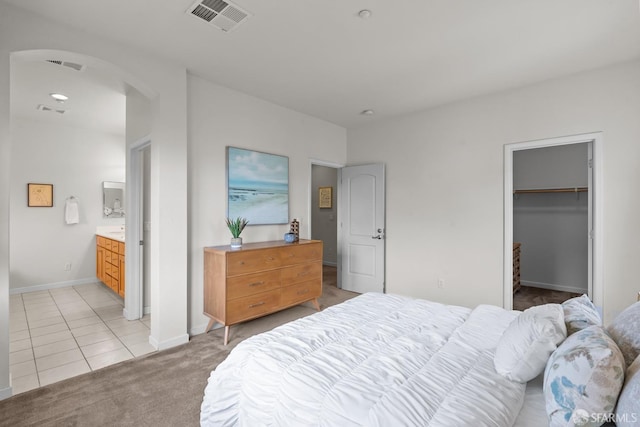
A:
(325, 197)
(257, 186)
(39, 195)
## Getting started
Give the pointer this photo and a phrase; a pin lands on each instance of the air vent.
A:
(43, 107)
(68, 64)
(221, 14)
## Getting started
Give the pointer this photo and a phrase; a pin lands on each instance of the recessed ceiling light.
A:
(364, 14)
(59, 97)
(367, 112)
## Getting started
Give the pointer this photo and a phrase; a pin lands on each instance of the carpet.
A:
(160, 389)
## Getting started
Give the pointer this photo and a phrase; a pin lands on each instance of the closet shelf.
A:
(553, 190)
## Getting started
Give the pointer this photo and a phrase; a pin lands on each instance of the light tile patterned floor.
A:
(64, 332)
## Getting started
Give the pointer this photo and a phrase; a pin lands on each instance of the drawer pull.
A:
(303, 273)
(303, 291)
(270, 258)
(256, 283)
(258, 304)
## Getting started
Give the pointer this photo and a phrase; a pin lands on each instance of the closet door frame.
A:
(596, 246)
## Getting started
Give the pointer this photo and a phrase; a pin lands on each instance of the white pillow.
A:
(528, 341)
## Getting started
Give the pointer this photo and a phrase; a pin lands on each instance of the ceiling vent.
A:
(43, 107)
(221, 14)
(68, 64)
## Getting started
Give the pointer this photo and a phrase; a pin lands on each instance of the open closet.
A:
(551, 223)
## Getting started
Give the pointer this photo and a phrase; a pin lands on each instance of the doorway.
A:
(324, 216)
(359, 219)
(591, 200)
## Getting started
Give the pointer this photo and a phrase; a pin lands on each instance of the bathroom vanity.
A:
(110, 260)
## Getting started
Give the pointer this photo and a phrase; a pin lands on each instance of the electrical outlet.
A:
(440, 283)
(67, 267)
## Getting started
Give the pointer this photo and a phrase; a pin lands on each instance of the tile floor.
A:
(64, 332)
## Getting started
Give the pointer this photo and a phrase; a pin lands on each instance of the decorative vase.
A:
(289, 237)
(236, 242)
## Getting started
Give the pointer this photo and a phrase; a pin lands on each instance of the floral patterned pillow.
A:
(625, 331)
(583, 377)
(580, 313)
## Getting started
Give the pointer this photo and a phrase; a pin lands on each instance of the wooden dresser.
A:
(516, 267)
(259, 279)
(110, 263)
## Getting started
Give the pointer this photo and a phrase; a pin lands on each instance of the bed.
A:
(378, 360)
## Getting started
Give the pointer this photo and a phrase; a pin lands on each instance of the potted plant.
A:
(235, 227)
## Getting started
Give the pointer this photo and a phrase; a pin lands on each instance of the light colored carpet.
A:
(161, 389)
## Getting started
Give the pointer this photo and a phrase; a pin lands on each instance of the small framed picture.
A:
(40, 195)
(325, 197)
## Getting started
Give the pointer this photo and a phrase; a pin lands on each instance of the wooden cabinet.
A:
(516, 267)
(110, 263)
(259, 279)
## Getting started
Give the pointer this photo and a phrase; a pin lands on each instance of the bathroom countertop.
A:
(119, 236)
(111, 232)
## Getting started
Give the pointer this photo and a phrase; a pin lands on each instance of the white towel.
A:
(71, 211)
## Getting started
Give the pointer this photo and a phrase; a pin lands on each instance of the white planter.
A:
(236, 242)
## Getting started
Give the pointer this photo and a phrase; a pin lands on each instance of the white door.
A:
(362, 228)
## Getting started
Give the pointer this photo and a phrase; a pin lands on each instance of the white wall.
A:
(324, 222)
(563, 166)
(76, 161)
(445, 182)
(5, 164)
(552, 227)
(165, 83)
(220, 117)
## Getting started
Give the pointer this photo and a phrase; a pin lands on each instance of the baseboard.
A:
(553, 287)
(173, 342)
(146, 310)
(47, 286)
(6, 393)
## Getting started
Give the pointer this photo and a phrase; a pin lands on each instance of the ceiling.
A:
(96, 101)
(322, 59)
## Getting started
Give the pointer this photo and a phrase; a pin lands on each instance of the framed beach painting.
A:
(257, 186)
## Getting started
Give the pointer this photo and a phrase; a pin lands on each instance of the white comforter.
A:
(375, 360)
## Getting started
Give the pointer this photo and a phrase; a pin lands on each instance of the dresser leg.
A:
(226, 334)
(210, 324)
(315, 303)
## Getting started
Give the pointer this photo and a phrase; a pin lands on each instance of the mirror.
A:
(113, 199)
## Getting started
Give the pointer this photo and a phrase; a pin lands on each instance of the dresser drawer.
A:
(243, 262)
(297, 253)
(300, 292)
(250, 284)
(301, 273)
(252, 306)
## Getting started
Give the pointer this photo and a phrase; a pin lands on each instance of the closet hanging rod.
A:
(553, 190)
